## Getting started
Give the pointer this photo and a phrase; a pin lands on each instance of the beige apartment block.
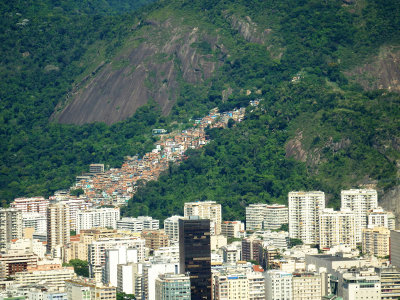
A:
(307, 286)
(206, 210)
(376, 241)
(337, 228)
(58, 226)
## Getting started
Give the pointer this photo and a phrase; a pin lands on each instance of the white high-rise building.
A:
(138, 224)
(255, 215)
(360, 202)
(129, 279)
(378, 217)
(275, 216)
(58, 226)
(304, 211)
(266, 216)
(75, 205)
(101, 217)
(337, 228)
(10, 225)
(34, 220)
(307, 286)
(206, 210)
(97, 252)
(171, 227)
(278, 285)
(114, 257)
(34, 204)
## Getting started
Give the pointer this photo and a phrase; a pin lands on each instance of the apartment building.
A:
(252, 249)
(101, 217)
(34, 220)
(33, 204)
(16, 261)
(232, 229)
(114, 257)
(54, 279)
(378, 217)
(129, 279)
(306, 286)
(337, 228)
(172, 286)
(138, 224)
(58, 226)
(255, 215)
(155, 239)
(171, 227)
(89, 290)
(395, 248)
(278, 285)
(97, 252)
(304, 211)
(206, 210)
(361, 284)
(376, 241)
(230, 286)
(360, 202)
(10, 225)
(275, 216)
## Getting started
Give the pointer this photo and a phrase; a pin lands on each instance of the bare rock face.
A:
(151, 69)
(382, 72)
(390, 201)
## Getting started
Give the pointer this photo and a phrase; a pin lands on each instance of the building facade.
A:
(101, 217)
(195, 255)
(171, 227)
(58, 226)
(360, 202)
(173, 287)
(376, 241)
(337, 228)
(304, 212)
(10, 225)
(206, 210)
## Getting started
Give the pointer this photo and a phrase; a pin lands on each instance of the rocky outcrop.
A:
(162, 55)
(382, 72)
(391, 201)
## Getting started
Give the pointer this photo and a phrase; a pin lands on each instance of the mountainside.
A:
(321, 123)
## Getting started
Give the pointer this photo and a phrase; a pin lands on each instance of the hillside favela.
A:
(200, 149)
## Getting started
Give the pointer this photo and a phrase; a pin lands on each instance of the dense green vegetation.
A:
(349, 135)
(81, 267)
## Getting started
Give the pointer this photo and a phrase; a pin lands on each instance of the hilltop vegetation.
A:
(315, 128)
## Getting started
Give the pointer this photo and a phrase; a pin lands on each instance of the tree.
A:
(123, 296)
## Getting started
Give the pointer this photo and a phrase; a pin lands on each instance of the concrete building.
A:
(230, 286)
(54, 279)
(375, 241)
(96, 168)
(278, 285)
(172, 286)
(89, 290)
(34, 220)
(195, 255)
(75, 205)
(275, 216)
(10, 225)
(16, 261)
(155, 239)
(395, 248)
(206, 210)
(304, 211)
(390, 283)
(337, 228)
(58, 226)
(306, 286)
(129, 279)
(171, 227)
(231, 254)
(101, 217)
(360, 285)
(27, 246)
(360, 202)
(97, 252)
(114, 257)
(252, 249)
(378, 217)
(232, 229)
(138, 224)
(34, 204)
(255, 215)
(150, 273)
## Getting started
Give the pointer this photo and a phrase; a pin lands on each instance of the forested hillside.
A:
(316, 127)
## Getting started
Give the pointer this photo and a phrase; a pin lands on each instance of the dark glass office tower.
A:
(195, 255)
